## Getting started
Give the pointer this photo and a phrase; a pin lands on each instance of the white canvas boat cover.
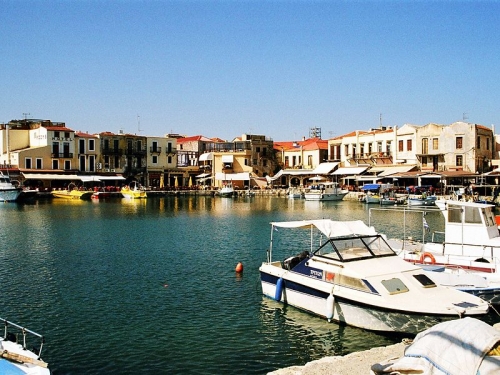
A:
(206, 156)
(330, 228)
(324, 168)
(244, 176)
(349, 171)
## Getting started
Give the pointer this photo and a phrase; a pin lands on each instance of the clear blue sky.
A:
(224, 68)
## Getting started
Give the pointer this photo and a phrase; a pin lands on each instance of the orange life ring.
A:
(425, 256)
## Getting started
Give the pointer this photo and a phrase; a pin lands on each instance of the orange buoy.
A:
(239, 267)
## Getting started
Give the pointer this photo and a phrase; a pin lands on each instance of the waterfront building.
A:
(88, 152)
(160, 161)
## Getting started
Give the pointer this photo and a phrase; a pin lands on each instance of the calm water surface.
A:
(149, 286)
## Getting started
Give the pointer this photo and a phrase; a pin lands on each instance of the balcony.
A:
(111, 151)
(64, 155)
(155, 150)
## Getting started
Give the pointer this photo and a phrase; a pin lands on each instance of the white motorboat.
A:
(227, 190)
(354, 277)
(15, 357)
(8, 192)
(422, 200)
(294, 193)
(325, 191)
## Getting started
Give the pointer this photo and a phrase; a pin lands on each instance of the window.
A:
(400, 145)
(169, 147)
(425, 146)
(459, 142)
(169, 160)
(379, 146)
(388, 147)
(56, 134)
(424, 161)
(435, 143)
(27, 163)
(488, 144)
(39, 164)
(67, 164)
(91, 163)
(257, 149)
(459, 161)
(478, 142)
(55, 164)
(309, 160)
(91, 144)
(154, 159)
(408, 145)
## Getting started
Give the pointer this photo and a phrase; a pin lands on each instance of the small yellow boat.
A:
(73, 193)
(133, 192)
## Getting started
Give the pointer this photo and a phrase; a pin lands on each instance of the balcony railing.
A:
(66, 155)
(155, 150)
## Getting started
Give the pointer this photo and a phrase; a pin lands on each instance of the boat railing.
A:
(14, 337)
(438, 233)
(404, 211)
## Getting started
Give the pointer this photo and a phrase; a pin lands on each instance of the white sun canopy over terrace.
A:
(69, 177)
(324, 168)
(244, 176)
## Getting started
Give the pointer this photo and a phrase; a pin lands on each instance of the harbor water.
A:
(149, 286)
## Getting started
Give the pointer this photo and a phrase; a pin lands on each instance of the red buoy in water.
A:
(239, 267)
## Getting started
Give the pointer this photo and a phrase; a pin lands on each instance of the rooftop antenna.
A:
(139, 124)
(465, 117)
(25, 115)
(380, 120)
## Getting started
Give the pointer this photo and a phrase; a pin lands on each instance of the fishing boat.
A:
(421, 196)
(8, 192)
(471, 239)
(348, 273)
(325, 191)
(15, 357)
(133, 191)
(72, 192)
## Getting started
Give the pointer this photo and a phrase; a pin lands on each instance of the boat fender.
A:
(279, 289)
(330, 303)
(427, 258)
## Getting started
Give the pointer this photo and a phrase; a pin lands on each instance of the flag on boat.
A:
(426, 226)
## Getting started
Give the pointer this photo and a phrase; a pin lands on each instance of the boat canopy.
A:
(330, 228)
(371, 187)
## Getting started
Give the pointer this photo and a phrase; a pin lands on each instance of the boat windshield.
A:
(355, 248)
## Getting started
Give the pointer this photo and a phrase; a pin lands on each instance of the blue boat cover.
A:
(371, 187)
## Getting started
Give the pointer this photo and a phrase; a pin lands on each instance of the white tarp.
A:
(329, 227)
(275, 177)
(349, 171)
(244, 176)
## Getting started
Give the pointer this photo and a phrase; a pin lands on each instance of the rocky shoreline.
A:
(358, 363)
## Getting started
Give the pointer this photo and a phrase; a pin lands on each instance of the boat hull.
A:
(348, 311)
(73, 194)
(324, 196)
(9, 195)
(429, 201)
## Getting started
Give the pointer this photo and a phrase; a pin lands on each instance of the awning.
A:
(387, 171)
(69, 177)
(349, 171)
(324, 168)
(203, 175)
(275, 177)
(206, 156)
(227, 158)
(244, 176)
